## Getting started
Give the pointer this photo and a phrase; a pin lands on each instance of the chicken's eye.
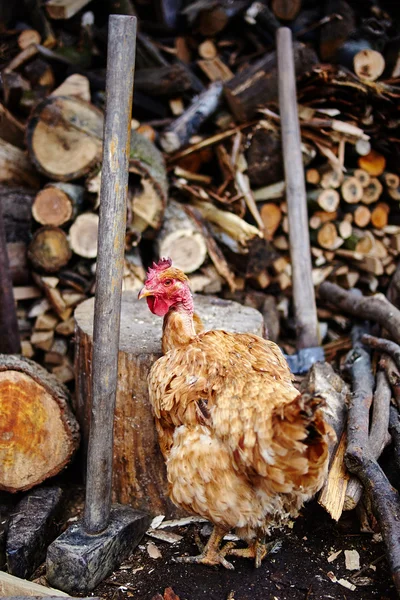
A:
(168, 282)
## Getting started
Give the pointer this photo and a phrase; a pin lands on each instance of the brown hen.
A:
(243, 448)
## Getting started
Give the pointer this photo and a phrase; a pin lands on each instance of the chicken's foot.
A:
(212, 554)
(257, 550)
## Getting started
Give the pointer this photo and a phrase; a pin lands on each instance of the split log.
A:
(33, 398)
(64, 9)
(75, 85)
(64, 137)
(228, 228)
(180, 240)
(139, 475)
(322, 381)
(57, 203)
(22, 589)
(180, 131)
(148, 197)
(83, 234)
(49, 249)
(258, 84)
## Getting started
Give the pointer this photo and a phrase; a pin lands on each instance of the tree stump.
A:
(38, 432)
(139, 476)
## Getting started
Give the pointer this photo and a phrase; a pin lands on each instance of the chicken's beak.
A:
(144, 292)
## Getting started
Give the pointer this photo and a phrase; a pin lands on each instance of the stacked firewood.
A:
(206, 182)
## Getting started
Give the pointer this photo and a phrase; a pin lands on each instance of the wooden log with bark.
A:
(257, 84)
(139, 475)
(33, 398)
(57, 203)
(80, 127)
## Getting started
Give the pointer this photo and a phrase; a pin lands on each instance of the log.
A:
(286, 10)
(373, 162)
(326, 236)
(28, 37)
(32, 399)
(139, 473)
(83, 235)
(380, 215)
(372, 191)
(352, 190)
(264, 157)
(271, 216)
(376, 308)
(328, 200)
(17, 212)
(170, 80)
(180, 131)
(335, 32)
(368, 64)
(15, 167)
(57, 203)
(257, 85)
(49, 249)
(11, 130)
(180, 240)
(64, 137)
(147, 197)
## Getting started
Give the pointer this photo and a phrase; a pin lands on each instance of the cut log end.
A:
(186, 248)
(40, 434)
(83, 235)
(52, 207)
(368, 64)
(49, 250)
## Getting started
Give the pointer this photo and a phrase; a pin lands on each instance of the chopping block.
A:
(139, 475)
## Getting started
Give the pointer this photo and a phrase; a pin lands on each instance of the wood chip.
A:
(153, 551)
(334, 556)
(164, 536)
(352, 559)
(346, 584)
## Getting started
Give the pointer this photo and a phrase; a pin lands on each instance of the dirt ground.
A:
(298, 570)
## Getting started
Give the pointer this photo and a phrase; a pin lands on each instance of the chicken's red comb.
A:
(162, 265)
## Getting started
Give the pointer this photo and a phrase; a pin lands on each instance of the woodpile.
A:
(206, 177)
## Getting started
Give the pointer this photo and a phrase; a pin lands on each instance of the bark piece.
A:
(33, 527)
(257, 85)
(180, 240)
(57, 203)
(30, 395)
(139, 473)
(49, 249)
(64, 137)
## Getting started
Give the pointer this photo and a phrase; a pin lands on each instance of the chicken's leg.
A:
(212, 553)
(257, 550)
